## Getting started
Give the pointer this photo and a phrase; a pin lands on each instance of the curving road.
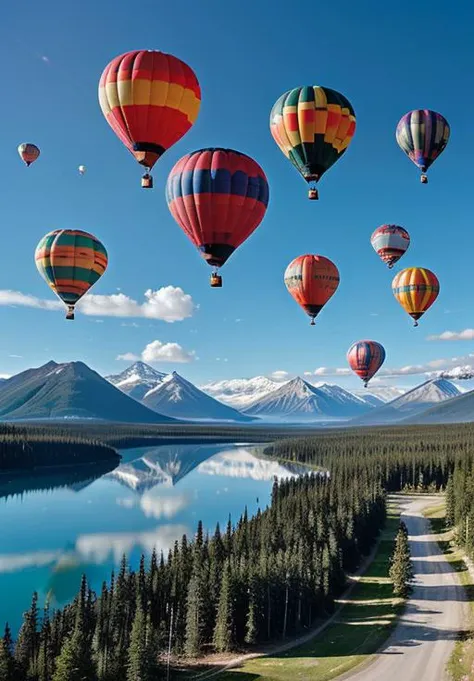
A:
(422, 642)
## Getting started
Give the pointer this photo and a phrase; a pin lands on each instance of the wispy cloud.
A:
(169, 304)
(156, 351)
(467, 334)
(46, 59)
(16, 356)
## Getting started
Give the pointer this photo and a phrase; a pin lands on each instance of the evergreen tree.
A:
(139, 664)
(26, 649)
(74, 662)
(223, 638)
(401, 571)
(7, 661)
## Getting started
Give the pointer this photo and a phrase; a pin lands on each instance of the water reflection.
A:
(58, 526)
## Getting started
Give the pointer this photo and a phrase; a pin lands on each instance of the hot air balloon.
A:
(218, 197)
(82, 170)
(390, 242)
(422, 134)
(416, 289)
(312, 280)
(28, 153)
(365, 358)
(150, 100)
(313, 127)
(70, 261)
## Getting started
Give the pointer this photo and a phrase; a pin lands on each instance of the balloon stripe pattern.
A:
(218, 197)
(28, 153)
(150, 100)
(365, 358)
(423, 135)
(416, 289)
(390, 242)
(313, 126)
(70, 261)
(311, 280)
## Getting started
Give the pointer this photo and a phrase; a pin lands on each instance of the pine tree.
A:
(401, 571)
(26, 649)
(194, 608)
(223, 638)
(7, 661)
(74, 662)
(139, 666)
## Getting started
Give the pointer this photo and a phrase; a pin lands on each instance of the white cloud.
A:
(156, 351)
(169, 304)
(280, 376)
(5, 375)
(16, 356)
(45, 59)
(11, 562)
(467, 334)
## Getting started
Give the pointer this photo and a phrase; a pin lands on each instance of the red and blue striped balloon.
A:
(365, 358)
(423, 135)
(218, 197)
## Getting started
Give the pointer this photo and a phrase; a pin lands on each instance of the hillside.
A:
(415, 401)
(458, 410)
(69, 391)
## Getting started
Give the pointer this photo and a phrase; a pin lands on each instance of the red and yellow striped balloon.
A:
(416, 289)
(150, 100)
(312, 280)
(70, 261)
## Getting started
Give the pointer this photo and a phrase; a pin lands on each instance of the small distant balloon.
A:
(82, 170)
(390, 242)
(28, 152)
(416, 289)
(365, 358)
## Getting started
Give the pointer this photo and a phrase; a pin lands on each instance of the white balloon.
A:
(82, 169)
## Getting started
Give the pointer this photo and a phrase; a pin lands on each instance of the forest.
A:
(261, 579)
(23, 449)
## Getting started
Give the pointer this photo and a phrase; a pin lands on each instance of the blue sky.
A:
(245, 55)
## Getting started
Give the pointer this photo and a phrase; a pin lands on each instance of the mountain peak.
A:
(138, 379)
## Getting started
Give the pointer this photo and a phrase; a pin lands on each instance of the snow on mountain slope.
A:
(176, 395)
(417, 400)
(137, 380)
(240, 392)
(385, 393)
(299, 400)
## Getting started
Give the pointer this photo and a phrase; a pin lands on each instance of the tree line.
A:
(21, 451)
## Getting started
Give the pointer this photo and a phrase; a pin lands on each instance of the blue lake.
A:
(56, 527)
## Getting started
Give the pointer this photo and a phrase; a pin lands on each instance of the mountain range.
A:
(69, 390)
(140, 394)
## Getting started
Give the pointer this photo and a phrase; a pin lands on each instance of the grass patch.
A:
(461, 662)
(364, 623)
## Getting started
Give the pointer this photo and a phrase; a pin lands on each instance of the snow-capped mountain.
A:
(415, 401)
(298, 400)
(240, 392)
(384, 394)
(176, 395)
(345, 397)
(137, 380)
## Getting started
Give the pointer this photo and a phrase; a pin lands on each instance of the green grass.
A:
(461, 662)
(361, 627)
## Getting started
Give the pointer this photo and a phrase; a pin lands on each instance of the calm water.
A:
(56, 527)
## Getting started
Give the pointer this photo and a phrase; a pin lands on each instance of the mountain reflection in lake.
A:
(57, 527)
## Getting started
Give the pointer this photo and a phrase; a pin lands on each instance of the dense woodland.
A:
(22, 449)
(268, 577)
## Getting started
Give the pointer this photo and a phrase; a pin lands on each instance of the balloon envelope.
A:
(423, 135)
(365, 358)
(150, 100)
(70, 261)
(313, 126)
(390, 242)
(218, 197)
(311, 280)
(416, 289)
(28, 152)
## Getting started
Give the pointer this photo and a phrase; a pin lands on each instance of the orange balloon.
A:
(416, 289)
(312, 280)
